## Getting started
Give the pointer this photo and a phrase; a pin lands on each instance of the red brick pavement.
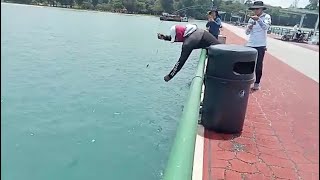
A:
(280, 139)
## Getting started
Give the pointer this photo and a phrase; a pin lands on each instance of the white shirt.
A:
(190, 28)
(258, 33)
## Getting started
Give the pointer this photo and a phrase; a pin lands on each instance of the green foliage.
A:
(104, 7)
(199, 10)
(157, 8)
(130, 5)
(167, 5)
(94, 3)
(233, 8)
(248, 2)
(314, 5)
(79, 2)
(86, 5)
(117, 4)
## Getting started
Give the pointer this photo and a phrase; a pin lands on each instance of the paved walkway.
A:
(304, 45)
(280, 139)
(304, 60)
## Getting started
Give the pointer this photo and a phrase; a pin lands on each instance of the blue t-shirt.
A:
(214, 26)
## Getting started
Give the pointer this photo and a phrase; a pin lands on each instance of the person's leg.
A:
(259, 65)
(207, 40)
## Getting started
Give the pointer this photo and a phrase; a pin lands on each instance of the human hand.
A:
(255, 17)
(160, 36)
(166, 78)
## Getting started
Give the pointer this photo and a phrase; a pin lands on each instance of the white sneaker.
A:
(256, 86)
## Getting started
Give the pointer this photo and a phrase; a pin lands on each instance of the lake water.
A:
(78, 101)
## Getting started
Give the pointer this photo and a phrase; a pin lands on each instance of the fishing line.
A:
(157, 29)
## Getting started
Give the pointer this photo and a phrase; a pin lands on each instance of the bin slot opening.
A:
(244, 67)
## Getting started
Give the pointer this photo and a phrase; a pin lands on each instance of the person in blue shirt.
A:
(214, 23)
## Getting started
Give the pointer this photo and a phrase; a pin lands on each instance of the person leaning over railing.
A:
(192, 38)
(257, 28)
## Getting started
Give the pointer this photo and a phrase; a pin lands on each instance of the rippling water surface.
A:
(78, 101)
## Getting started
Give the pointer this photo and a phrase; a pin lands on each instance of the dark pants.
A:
(259, 65)
(216, 36)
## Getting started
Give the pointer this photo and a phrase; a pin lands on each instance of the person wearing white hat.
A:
(192, 38)
(257, 28)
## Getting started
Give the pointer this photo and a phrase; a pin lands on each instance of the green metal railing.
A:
(180, 163)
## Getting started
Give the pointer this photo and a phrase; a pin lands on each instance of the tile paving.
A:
(280, 139)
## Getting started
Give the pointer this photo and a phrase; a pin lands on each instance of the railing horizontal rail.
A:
(180, 163)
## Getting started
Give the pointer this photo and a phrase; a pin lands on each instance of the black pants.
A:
(209, 39)
(259, 65)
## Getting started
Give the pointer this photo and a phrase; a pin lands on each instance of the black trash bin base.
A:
(225, 104)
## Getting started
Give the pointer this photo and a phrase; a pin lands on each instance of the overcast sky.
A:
(285, 3)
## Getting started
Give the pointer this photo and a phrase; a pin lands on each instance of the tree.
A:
(70, 3)
(167, 5)
(141, 6)
(117, 4)
(314, 2)
(157, 8)
(198, 12)
(218, 3)
(314, 5)
(248, 2)
(94, 3)
(275, 14)
(79, 2)
(130, 5)
(294, 4)
(104, 7)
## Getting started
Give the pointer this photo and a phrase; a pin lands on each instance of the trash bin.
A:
(229, 75)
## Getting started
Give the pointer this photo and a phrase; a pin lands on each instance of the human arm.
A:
(217, 21)
(185, 53)
(264, 23)
(249, 26)
(208, 25)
